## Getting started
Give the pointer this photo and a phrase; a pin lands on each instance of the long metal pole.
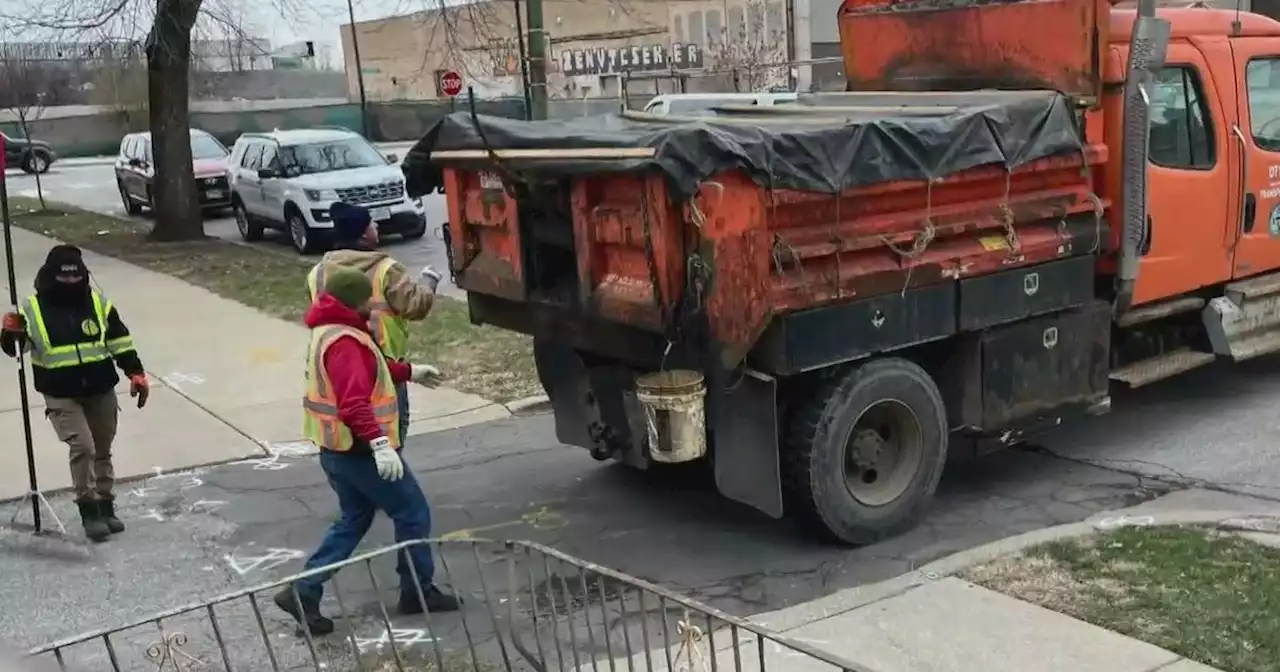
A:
(355, 50)
(22, 368)
(537, 59)
(524, 62)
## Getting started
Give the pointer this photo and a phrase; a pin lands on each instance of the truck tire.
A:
(863, 454)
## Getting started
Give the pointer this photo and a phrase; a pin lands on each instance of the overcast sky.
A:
(280, 21)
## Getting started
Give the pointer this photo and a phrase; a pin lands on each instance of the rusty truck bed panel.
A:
(744, 253)
(919, 45)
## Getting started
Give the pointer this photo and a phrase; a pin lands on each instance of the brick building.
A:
(589, 45)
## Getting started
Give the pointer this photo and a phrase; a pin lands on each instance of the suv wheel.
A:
(131, 206)
(300, 233)
(35, 162)
(417, 231)
(250, 230)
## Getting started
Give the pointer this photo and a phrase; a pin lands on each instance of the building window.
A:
(775, 24)
(1180, 136)
(715, 29)
(679, 28)
(737, 25)
(697, 33)
(755, 22)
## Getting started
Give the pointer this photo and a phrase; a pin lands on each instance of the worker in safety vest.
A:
(397, 299)
(350, 413)
(75, 339)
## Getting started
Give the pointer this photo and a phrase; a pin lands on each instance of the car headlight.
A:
(320, 194)
(417, 203)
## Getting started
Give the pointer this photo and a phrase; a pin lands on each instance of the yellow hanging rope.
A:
(690, 647)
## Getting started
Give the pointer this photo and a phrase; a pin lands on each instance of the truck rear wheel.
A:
(864, 452)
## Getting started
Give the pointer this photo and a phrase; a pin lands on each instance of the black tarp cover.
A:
(819, 152)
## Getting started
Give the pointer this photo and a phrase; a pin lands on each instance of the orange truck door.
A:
(1189, 179)
(1257, 237)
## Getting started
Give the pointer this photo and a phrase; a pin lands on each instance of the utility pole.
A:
(537, 60)
(355, 49)
(524, 63)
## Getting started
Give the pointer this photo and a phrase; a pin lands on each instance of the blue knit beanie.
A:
(349, 221)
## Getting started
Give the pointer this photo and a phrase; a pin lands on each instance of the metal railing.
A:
(526, 607)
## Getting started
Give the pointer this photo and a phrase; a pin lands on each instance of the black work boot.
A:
(95, 528)
(107, 509)
(438, 601)
(310, 614)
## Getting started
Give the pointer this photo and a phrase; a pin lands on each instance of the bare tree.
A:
(752, 47)
(24, 85)
(168, 25)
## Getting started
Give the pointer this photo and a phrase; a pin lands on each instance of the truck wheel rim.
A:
(38, 163)
(242, 221)
(883, 453)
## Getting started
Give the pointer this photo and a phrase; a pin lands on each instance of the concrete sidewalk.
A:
(227, 380)
(932, 620)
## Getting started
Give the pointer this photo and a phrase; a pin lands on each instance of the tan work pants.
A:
(88, 426)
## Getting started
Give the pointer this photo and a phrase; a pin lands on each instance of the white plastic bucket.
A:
(674, 414)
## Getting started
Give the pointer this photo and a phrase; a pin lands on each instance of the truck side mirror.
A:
(267, 173)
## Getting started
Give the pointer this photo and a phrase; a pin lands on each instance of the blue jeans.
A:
(402, 403)
(361, 493)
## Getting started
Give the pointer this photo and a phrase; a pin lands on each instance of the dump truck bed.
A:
(730, 221)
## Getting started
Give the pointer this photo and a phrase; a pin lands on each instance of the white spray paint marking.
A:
(154, 515)
(405, 637)
(177, 379)
(1125, 521)
(291, 449)
(274, 558)
(206, 505)
(191, 482)
(141, 491)
(272, 463)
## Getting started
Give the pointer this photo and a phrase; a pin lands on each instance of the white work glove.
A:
(424, 374)
(390, 468)
(430, 277)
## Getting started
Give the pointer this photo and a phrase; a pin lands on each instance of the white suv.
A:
(286, 180)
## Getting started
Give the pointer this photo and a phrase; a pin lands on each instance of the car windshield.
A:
(206, 147)
(323, 157)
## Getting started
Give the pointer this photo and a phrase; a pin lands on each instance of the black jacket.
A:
(63, 324)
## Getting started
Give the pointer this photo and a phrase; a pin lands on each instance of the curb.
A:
(855, 598)
(538, 403)
(51, 492)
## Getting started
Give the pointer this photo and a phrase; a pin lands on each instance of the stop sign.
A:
(450, 83)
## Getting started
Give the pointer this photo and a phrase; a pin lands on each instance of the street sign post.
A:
(450, 83)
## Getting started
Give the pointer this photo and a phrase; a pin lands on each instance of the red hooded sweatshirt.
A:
(352, 367)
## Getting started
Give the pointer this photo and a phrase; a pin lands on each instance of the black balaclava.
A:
(63, 260)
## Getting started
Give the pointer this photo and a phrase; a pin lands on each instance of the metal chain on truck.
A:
(446, 236)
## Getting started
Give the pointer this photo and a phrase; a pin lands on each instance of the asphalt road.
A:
(93, 187)
(194, 536)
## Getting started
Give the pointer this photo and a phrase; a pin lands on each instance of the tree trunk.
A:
(22, 121)
(176, 201)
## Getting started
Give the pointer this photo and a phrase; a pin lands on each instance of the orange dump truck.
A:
(1013, 208)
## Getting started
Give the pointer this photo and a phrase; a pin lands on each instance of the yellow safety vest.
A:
(389, 329)
(320, 423)
(46, 355)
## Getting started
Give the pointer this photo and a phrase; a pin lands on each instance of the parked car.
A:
(31, 155)
(286, 180)
(695, 104)
(135, 171)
